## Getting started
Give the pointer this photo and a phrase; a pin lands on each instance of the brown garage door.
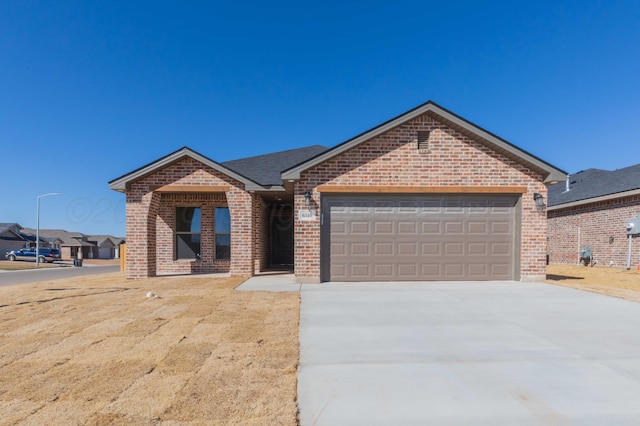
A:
(419, 237)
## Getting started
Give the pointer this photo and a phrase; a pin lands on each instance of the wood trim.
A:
(190, 188)
(421, 189)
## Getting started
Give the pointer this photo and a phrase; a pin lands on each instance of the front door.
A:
(281, 241)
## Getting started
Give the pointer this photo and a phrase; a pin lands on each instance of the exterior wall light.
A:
(539, 199)
(307, 198)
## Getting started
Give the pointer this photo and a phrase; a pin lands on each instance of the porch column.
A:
(142, 212)
(241, 207)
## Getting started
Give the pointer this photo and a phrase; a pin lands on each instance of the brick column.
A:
(241, 205)
(142, 212)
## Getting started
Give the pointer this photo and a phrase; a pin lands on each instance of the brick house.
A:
(591, 209)
(427, 195)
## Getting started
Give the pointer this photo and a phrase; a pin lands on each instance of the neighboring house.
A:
(10, 238)
(591, 209)
(72, 245)
(427, 195)
(108, 246)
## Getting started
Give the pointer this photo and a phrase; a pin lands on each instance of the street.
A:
(44, 274)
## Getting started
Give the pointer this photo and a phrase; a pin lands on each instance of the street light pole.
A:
(38, 225)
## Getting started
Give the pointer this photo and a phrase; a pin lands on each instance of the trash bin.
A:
(77, 262)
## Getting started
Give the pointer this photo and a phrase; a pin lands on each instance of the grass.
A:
(609, 281)
(96, 350)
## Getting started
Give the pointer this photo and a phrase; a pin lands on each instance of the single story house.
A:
(591, 208)
(426, 195)
(10, 238)
(108, 246)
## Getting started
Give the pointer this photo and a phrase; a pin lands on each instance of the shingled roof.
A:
(594, 183)
(267, 169)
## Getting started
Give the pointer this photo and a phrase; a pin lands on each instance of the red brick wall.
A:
(261, 212)
(392, 159)
(148, 221)
(165, 234)
(572, 228)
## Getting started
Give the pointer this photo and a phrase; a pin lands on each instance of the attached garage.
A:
(419, 237)
(425, 196)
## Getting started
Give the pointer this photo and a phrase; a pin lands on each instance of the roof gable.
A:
(7, 232)
(550, 173)
(123, 183)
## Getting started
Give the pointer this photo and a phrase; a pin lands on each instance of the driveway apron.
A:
(490, 353)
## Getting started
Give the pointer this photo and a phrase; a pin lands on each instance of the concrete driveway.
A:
(467, 354)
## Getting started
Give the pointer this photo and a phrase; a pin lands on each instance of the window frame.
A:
(216, 233)
(177, 233)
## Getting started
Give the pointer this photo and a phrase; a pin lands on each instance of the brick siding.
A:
(572, 228)
(150, 222)
(392, 159)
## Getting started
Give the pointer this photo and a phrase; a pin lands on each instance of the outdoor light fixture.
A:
(307, 198)
(539, 200)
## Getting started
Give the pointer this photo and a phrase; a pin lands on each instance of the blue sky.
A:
(91, 90)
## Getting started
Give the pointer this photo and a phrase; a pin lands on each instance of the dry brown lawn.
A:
(96, 351)
(610, 281)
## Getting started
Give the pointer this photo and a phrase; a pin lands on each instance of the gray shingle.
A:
(266, 169)
(592, 183)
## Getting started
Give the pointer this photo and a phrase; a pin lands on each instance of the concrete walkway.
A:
(467, 354)
(270, 282)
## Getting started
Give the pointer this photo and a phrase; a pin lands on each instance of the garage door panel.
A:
(384, 227)
(339, 248)
(477, 228)
(431, 270)
(359, 227)
(477, 269)
(407, 249)
(407, 227)
(502, 227)
(500, 269)
(383, 249)
(359, 249)
(360, 270)
(430, 249)
(498, 249)
(454, 270)
(408, 270)
(430, 227)
(421, 237)
(456, 227)
(338, 227)
(453, 249)
(384, 270)
(477, 249)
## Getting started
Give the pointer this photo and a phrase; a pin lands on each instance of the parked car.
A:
(29, 254)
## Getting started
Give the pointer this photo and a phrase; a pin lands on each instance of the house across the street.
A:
(427, 195)
(74, 245)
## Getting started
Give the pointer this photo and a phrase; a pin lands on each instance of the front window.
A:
(223, 233)
(187, 233)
